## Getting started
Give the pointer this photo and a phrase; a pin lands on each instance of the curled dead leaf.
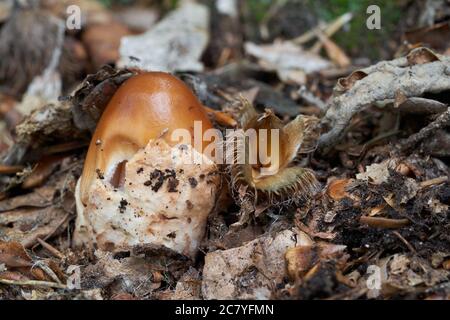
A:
(377, 210)
(94, 93)
(421, 55)
(337, 189)
(221, 117)
(399, 98)
(376, 173)
(347, 83)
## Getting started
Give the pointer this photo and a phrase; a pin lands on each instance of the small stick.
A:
(10, 169)
(221, 117)
(33, 283)
(44, 267)
(309, 97)
(64, 147)
(32, 242)
(432, 182)
(422, 106)
(328, 30)
(334, 27)
(441, 122)
(334, 52)
(410, 247)
(50, 248)
(383, 223)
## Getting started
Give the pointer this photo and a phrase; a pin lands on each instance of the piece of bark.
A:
(413, 76)
(424, 106)
(441, 122)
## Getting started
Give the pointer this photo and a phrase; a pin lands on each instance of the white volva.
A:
(164, 200)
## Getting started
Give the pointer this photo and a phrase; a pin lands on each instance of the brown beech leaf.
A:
(13, 255)
(103, 41)
(337, 189)
(42, 171)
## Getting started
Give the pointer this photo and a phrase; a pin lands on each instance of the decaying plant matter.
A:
(275, 179)
(421, 71)
(92, 181)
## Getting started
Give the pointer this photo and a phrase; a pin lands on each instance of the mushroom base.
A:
(164, 199)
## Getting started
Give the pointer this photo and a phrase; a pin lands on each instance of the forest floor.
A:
(375, 226)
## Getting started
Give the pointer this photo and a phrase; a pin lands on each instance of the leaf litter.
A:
(381, 161)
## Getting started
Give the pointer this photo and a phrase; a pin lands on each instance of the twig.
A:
(31, 242)
(410, 247)
(432, 182)
(383, 223)
(44, 267)
(383, 81)
(63, 220)
(10, 169)
(309, 97)
(221, 117)
(328, 29)
(50, 248)
(442, 121)
(334, 52)
(33, 283)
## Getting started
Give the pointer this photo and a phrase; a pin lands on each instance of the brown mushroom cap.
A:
(143, 108)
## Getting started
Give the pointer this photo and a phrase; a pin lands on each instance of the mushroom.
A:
(139, 184)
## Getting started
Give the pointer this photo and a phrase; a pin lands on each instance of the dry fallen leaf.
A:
(176, 42)
(337, 189)
(290, 61)
(103, 41)
(13, 254)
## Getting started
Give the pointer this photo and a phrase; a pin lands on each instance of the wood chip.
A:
(433, 182)
(384, 223)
